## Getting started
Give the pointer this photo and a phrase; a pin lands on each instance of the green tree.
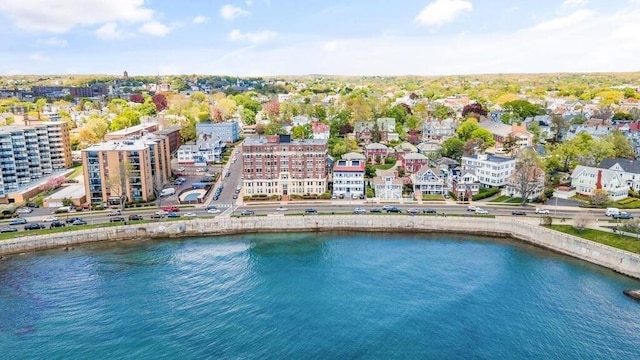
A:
(442, 112)
(248, 116)
(413, 122)
(397, 112)
(178, 84)
(484, 135)
(198, 96)
(125, 119)
(528, 175)
(536, 131)
(622, 147)
(559, 125)
(466, 129)
(301, 131)
(523, 109)
(188, 131)
(452, 148)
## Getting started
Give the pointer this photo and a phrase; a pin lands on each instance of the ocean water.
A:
(314, 296)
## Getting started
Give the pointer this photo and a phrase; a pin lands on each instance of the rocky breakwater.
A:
(634, 294)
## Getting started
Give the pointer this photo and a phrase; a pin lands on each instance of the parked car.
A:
(282, 208)
(213, 211)
(173, 215)
(157, 216)
(235, 196)
(50, 219)
(541, 211)
(623, 215)
(117, 219)
(71, 219)
(518, 213)
(393, 209)
(79, 221)
(359, 210)
(387, 207)
(135, 217)
(24, 210)
(56, 224)
(34, 226)
(375, 210)
(429, 211)
(247, 213)
(170, 208)
(413, 211)
(361, 196)
(8, 229)
(310, 211)
(18, 221)
(481, 211)
(115, 213)
(33, 205)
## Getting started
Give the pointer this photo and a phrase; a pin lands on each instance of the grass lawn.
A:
(514, 201)
(623, 242)
(77, 171)
(500, 199)
(430, 197)
(386, 166)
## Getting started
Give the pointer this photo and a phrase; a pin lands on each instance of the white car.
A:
(181, 169)
(213, 211)
(50, 219)
(190, 214)
(24, 211)
(359, 211)
(481, 211)
(282, 208)
(542, 211)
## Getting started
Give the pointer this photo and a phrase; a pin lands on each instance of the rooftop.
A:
(68, 192)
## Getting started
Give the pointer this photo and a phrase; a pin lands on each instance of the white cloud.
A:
(249, 2)
(109, 31)
(155, 28)
(441, 12)
(252, 37)
(199, 19)
(230, 12)
(574, 3)
(330, 46)
(39, 57)
(53, 42)
(564, 22)
(61, 16)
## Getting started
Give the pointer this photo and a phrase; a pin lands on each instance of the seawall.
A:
(618, 260)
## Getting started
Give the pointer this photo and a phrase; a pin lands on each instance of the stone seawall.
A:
(618, 260)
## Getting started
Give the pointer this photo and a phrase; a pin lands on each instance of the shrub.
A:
(485, 194)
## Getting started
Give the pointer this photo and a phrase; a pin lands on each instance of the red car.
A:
(170, 208)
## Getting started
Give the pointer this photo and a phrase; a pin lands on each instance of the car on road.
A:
(135, 217)
(413, 211)
(190, 214)
(157, 215)
(33, 205)
(472, 208)
(170, 208)
(359, 210)
(623, 215)
(429, 211)
(334, 196)
(387, 207)
(50, 219)
(361, 196)
(18, 221)
(518, 213)
(481, 211)
(210, 207)
(310, 211)
(227, 174)
(202, 169)
(393, 209)
(34, 226)
(375, 210)
(173, 215)
(71, 219)
(282, 208)
(180, 169)
(117, 219)
(235, 196)
(79, 221)
(247, 213)
(8, 229)
(541, 211)
(114, 213)
(56, 224)
(24, 210)
(213, 211)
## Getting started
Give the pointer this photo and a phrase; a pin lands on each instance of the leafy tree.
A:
(274, 128)
(621, 145)
(442, 112)
(147, 109)
(622, 116)
(127, 118)
(136, 98)
(528, 174)
(599, 197)
(452, 148)
(160, 100)
(178, 85)
(413, 122)
(359, 109)
(376, 135)
(261, 129)
(630, 93)
(559, 125)
(484, 135)
(345, 129)
(536, 131)
(198, 96)
(188, 131)
(474, 108)
(272, 108)
(472, 145)
(369, 171)
(248, 116)
(301, 131)
(578, 120)
(523, 109)
(509, 118)
(116, 105)
(466, 129)
(338, 150)
(397, 112)
(610, 97)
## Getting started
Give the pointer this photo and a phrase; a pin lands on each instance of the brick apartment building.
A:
(278, 165)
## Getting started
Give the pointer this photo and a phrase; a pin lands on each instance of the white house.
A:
(201, 154)
(586, 179)
(438, 130)
(388, 187)
(348, 177)
(429, 180)
(491, 170)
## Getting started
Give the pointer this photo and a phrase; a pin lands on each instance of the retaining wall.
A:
(618, 260)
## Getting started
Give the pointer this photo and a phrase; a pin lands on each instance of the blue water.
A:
(314, 296)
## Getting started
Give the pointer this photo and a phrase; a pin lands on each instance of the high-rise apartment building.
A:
(127, 170)
(28, 153)
(278, 165)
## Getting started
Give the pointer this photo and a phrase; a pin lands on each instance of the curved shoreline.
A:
(620, 261)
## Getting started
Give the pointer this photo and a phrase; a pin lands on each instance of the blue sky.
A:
(294, 37)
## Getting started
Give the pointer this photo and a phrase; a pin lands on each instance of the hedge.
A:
(485, 194)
